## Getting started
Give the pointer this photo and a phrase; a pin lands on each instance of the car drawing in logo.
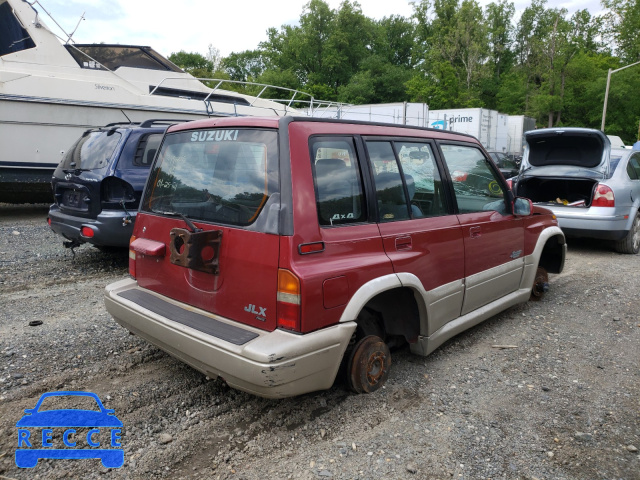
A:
(84, 432)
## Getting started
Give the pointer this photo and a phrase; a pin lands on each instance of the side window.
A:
(338, 182)
(633, 167)
(424, 184)
(475, 185)
(147, 148)
(390, 193)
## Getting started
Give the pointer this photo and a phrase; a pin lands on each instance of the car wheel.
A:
(368, 365)
(631, 243)
(540, 284)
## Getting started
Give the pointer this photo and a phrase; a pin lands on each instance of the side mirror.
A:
(522, 207)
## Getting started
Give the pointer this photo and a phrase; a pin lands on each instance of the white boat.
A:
(50, 92)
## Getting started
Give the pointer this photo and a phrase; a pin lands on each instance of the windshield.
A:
(218, 175)
(13, 36)
(92, 151)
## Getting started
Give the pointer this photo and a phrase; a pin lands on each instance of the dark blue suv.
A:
(98, 184)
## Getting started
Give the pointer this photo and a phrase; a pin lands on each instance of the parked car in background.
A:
(271, 252)
(508, 167)
(593, 190)
(98, 184)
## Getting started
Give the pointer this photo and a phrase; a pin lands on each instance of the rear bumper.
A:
(107, 227)
(595, 222)
(269, 364)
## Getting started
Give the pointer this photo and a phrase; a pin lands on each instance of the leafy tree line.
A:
(454, 54)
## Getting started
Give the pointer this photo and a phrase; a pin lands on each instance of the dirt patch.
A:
(561, 402)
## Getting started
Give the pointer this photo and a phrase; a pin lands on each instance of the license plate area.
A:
(74, 199)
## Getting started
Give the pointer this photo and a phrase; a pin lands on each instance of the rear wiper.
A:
(75, 171)
(189, 223)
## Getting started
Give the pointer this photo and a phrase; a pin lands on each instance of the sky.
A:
(229, 26)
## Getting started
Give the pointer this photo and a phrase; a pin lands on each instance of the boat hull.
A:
(36, 132)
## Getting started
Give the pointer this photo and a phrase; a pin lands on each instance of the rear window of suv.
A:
(217, 175)
(92, 151)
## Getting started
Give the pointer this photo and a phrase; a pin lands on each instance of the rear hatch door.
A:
(77, 179)
(211, 207)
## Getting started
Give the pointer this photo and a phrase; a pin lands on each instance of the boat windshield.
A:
(112, 57)
(13, 36)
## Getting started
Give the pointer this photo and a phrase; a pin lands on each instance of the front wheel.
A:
(631, 243)
(368, 365)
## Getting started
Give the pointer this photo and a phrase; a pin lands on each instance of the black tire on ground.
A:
(368, 365)
(631, 243)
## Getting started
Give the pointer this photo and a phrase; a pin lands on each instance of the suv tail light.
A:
(115, 190)
(603, 197)
(510, 184)
(288, 301)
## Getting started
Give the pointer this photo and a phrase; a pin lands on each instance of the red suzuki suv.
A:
(270, 251)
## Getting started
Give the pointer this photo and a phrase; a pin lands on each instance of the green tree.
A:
(622, 22)
(500, 55)
(194, 63)
(244, 66)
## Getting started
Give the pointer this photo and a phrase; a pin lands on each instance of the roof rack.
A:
(162, 121)
(116, 124)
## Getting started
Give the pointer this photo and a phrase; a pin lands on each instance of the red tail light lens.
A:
(603, 197)
(87, 232)
(510, 184)
(459, 176)
(288, 301)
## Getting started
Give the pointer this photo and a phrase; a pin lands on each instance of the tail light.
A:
(132, 259)
(288, 301)
(115, 190)
(510, 184)
(603, 197)
(459, 176)
(87, 232)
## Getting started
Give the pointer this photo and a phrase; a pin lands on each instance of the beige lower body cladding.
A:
(274, 364)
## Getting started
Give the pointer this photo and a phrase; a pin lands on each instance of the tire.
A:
(631, 243)
(368, 365)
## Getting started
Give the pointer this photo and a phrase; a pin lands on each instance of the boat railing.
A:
(293, 97)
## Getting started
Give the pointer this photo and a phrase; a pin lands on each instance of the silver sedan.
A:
(593, 190)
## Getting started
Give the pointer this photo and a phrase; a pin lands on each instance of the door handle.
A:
(403, 243)
(475, 232)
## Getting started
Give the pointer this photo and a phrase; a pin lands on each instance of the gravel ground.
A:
(561, 403)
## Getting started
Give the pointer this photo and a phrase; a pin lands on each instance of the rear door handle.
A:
(403, 243)
(475, 232)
